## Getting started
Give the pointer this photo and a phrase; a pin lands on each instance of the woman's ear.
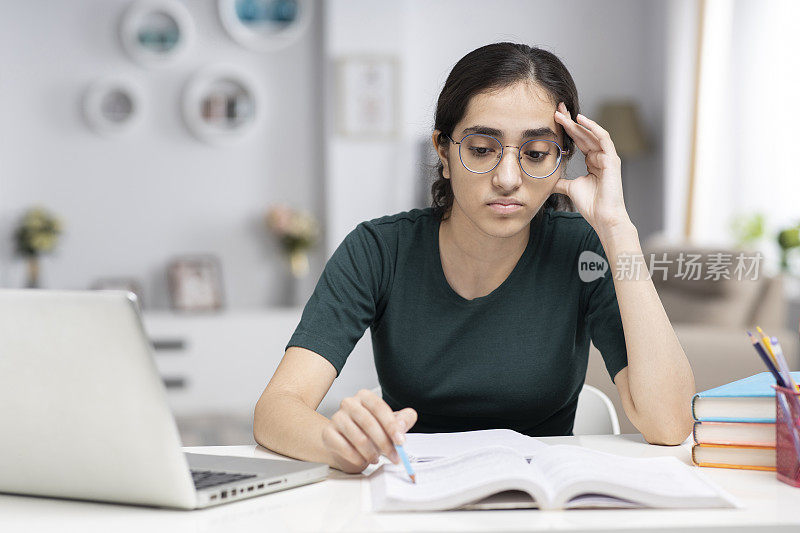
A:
(441, 151)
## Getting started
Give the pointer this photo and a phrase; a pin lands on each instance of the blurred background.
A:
(210, 155)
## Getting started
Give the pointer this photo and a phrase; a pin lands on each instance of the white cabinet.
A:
(220, 363)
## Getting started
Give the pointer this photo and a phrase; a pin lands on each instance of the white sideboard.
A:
(219, 363)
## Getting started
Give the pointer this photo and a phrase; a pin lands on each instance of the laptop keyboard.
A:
(207, 478)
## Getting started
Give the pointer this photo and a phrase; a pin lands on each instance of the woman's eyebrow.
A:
(544, 131)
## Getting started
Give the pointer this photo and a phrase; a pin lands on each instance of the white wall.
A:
(130, 204)
(613, 49)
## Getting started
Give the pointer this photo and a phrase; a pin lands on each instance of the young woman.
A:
(479, 313)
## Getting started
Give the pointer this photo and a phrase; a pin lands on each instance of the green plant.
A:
(747, 229)
(37, 232)
(788, 239)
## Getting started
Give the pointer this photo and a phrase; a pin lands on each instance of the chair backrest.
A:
(595, 414)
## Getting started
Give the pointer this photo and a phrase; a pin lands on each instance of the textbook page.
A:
(452, 482)
(427, 446)
(652, 482)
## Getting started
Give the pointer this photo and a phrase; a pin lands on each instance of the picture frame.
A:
(195, 283)
(368, 96)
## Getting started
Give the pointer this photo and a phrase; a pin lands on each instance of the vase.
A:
(33, 273)
(298, 263)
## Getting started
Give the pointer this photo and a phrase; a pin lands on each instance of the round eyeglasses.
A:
(480, 153)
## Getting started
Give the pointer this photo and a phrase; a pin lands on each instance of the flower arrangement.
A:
(36, 234)
(297, 232)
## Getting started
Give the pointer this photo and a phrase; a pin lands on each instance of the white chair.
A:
(595, 414)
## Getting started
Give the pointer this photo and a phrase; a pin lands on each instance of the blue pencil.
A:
(404, 458)
(767, 360)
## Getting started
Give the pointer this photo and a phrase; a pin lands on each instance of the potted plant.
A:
(36, 234)
(788, 240)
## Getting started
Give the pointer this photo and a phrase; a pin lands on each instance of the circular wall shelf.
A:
(265, 25)
(221, 104)
(112, 106)
(156, 32)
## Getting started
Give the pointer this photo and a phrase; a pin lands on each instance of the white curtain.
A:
(748, 142)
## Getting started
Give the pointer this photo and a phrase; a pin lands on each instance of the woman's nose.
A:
(508, 174)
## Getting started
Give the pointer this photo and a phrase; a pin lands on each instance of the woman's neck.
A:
(474, 262)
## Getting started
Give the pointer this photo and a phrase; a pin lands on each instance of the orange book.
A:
(727, 456)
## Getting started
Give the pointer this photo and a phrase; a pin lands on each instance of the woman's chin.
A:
(504, 226)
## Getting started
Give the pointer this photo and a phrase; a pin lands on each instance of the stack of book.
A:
(735, 424)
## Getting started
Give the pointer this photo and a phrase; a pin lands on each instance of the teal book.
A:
(746, 400)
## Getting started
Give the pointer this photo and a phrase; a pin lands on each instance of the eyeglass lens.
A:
(481, 153)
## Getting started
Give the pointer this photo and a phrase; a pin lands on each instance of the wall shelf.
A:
(221, 104)
(156, 32)
(265, 25)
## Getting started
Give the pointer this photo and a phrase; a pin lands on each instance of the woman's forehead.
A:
(511, 109)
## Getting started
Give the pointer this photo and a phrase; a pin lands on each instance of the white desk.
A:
(340, 503)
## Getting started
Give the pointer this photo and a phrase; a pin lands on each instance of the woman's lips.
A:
(505, 209)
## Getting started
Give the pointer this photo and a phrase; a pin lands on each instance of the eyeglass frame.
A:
(561, 154)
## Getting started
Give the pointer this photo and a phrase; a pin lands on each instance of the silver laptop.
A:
(84, 414)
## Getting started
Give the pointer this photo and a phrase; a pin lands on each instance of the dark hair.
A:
(496, 66)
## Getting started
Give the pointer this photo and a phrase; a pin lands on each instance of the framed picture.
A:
(367, 100)
(195, 283)
(121, 284)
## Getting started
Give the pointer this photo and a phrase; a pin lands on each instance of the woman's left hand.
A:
(598, 194)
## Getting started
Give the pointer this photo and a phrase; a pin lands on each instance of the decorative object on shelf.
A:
(36, 234)
(265, 25)
(112, 106)
(221, 104)
(195, 283)
(122, 284)
(368, 99)
(623, 121)
(297, 231)
(156, 32)
(789, 241)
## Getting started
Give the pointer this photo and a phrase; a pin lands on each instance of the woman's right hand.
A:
(363, 429)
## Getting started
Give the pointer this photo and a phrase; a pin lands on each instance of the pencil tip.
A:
(414, 478)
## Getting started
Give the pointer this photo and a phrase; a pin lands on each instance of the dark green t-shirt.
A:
(515, 358)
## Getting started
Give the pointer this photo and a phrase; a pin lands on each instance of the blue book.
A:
(746, 400)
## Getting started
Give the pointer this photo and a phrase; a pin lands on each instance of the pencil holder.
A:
(787, 437)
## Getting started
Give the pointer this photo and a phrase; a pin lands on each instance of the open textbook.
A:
(423, 447)
(557, 477)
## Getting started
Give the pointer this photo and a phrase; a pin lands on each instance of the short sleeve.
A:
(603, 318)
(347, 297)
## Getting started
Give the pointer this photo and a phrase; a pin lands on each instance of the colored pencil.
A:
(404, 458)
(783, 366)
(767, 360)
(767, 347)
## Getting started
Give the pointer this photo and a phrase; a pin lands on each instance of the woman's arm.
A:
(657, 385)
(285, 418)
